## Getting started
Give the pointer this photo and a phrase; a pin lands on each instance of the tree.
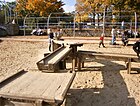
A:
(39, 7)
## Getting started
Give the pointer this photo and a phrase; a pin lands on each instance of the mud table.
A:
(28, 88)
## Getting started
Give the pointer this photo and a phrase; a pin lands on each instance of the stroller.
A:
(37, 32)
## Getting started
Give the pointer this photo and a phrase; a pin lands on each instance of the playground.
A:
(53, 58)
(101, 82)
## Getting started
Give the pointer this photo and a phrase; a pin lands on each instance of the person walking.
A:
(51, 36)
(102, 40)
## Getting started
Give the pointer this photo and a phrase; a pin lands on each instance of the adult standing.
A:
(114, 34)
(122, 25)
(51, 36)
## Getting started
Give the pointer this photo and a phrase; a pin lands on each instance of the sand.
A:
(100, 83)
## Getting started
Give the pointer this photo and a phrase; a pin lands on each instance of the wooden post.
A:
(39, 103)
(1, 102)
(79, 64)
(135, 24)
(73, 63)
(74, 57)
(64, 62)
(104, 22)
(75, 50)
(129, 66)
(83, 64)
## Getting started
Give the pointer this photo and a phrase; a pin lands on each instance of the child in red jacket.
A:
(102, 40)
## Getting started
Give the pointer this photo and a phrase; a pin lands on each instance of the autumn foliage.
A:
(38, 7)
(87, 7)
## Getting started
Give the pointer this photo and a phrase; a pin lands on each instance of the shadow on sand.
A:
(113, 93)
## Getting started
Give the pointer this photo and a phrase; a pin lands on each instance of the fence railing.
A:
(83, 28)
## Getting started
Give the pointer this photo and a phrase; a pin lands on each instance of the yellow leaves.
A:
(30, 5)
(42, 7)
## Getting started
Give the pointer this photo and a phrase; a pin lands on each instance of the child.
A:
(102, 40)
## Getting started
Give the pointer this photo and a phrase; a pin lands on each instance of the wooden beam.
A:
(108, 56)
(53, 63)
(79, 64)
(39, 102)
(1, 101)
(129, 66)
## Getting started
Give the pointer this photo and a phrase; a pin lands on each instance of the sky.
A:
(68, 7)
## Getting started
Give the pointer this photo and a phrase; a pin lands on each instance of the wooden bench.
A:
(85, 55)
(27, 88)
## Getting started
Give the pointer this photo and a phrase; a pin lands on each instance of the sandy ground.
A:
(100, 83)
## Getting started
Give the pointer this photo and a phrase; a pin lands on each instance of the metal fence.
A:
(86, 27)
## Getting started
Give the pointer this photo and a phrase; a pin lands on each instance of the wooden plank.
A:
(11, 77)
(53, 63)
(20, 83)
(110, 56)
(57, 57)
(44, 87)
(105, 56)
(38, 87)
(49, 56)
(12, 84)
(55, 85)
(13, 103)
(124, 54)
(53, 55)
(120, 57)
(53, 59)
(65, 85)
